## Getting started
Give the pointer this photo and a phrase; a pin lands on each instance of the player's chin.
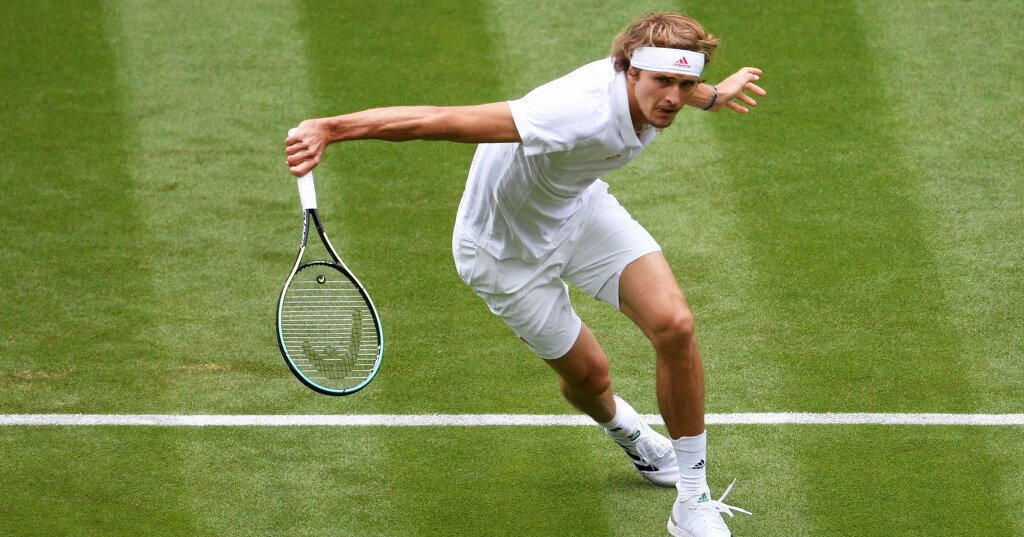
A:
(662, 118)
(663, 122)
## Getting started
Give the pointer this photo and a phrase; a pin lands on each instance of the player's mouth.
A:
(663, 116)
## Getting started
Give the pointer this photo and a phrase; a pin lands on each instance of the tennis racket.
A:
(327, 326)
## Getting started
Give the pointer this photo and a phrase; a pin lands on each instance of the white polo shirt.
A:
(523, 199)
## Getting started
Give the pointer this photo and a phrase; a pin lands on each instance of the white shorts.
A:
(533, 298)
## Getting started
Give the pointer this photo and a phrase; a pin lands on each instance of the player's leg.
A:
(599, 251)
(650, 296)
(533, 301)
(541, 314)
(585, 380)
(586, 384)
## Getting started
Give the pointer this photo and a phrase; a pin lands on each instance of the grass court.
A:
(855, 244)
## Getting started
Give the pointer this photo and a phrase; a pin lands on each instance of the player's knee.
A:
(674, 330)
(594, 383)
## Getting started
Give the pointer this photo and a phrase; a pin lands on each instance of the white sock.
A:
(625, 425)
(692, 455)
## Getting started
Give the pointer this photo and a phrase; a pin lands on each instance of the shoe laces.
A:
(720, 506)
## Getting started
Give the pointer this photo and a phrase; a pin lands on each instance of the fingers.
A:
(747, 98)
(736, 107)
(301, 166)
(297, 152)
(304, 167)
(739, 87)
(302, 154)
(293, 147)
(737, 101)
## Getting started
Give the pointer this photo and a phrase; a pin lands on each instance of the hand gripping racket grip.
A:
(307, 190)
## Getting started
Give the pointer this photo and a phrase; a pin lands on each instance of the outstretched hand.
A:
(305, 147)
(731, 91)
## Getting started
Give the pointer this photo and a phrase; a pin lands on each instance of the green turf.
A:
(855, 244)
(557, 481)
(841, 266)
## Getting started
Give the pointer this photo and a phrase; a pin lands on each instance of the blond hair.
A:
(666, 30)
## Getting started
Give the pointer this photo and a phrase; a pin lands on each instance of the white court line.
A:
(470, 420)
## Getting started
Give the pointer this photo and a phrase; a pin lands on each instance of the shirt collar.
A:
(623, 119)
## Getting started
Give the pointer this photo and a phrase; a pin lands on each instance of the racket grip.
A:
(307, 189)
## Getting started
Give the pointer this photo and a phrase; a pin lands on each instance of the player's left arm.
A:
(733, 92)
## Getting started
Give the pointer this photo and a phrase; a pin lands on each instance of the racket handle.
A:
(307, 190)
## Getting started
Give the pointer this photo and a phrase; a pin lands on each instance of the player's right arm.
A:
(485, 123)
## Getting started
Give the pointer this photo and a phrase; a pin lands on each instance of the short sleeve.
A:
(559, 115)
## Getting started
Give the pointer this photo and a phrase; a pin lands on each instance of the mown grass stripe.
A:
(492, 420)
(70, 285)
(966, 162)
(211, 92)
(844, 295)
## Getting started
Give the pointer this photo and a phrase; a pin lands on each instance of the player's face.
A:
(656, 97)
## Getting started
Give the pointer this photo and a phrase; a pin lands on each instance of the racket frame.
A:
(310, 212)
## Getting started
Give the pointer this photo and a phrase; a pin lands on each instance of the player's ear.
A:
(633, 73)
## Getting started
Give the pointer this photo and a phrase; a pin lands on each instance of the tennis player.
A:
(535, 215)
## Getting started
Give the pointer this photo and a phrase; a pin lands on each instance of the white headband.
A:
(668, 60)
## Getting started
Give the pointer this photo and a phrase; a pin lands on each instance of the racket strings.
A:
(327, 328)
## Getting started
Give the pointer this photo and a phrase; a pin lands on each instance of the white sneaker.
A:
(652, 455)
(698, 515)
